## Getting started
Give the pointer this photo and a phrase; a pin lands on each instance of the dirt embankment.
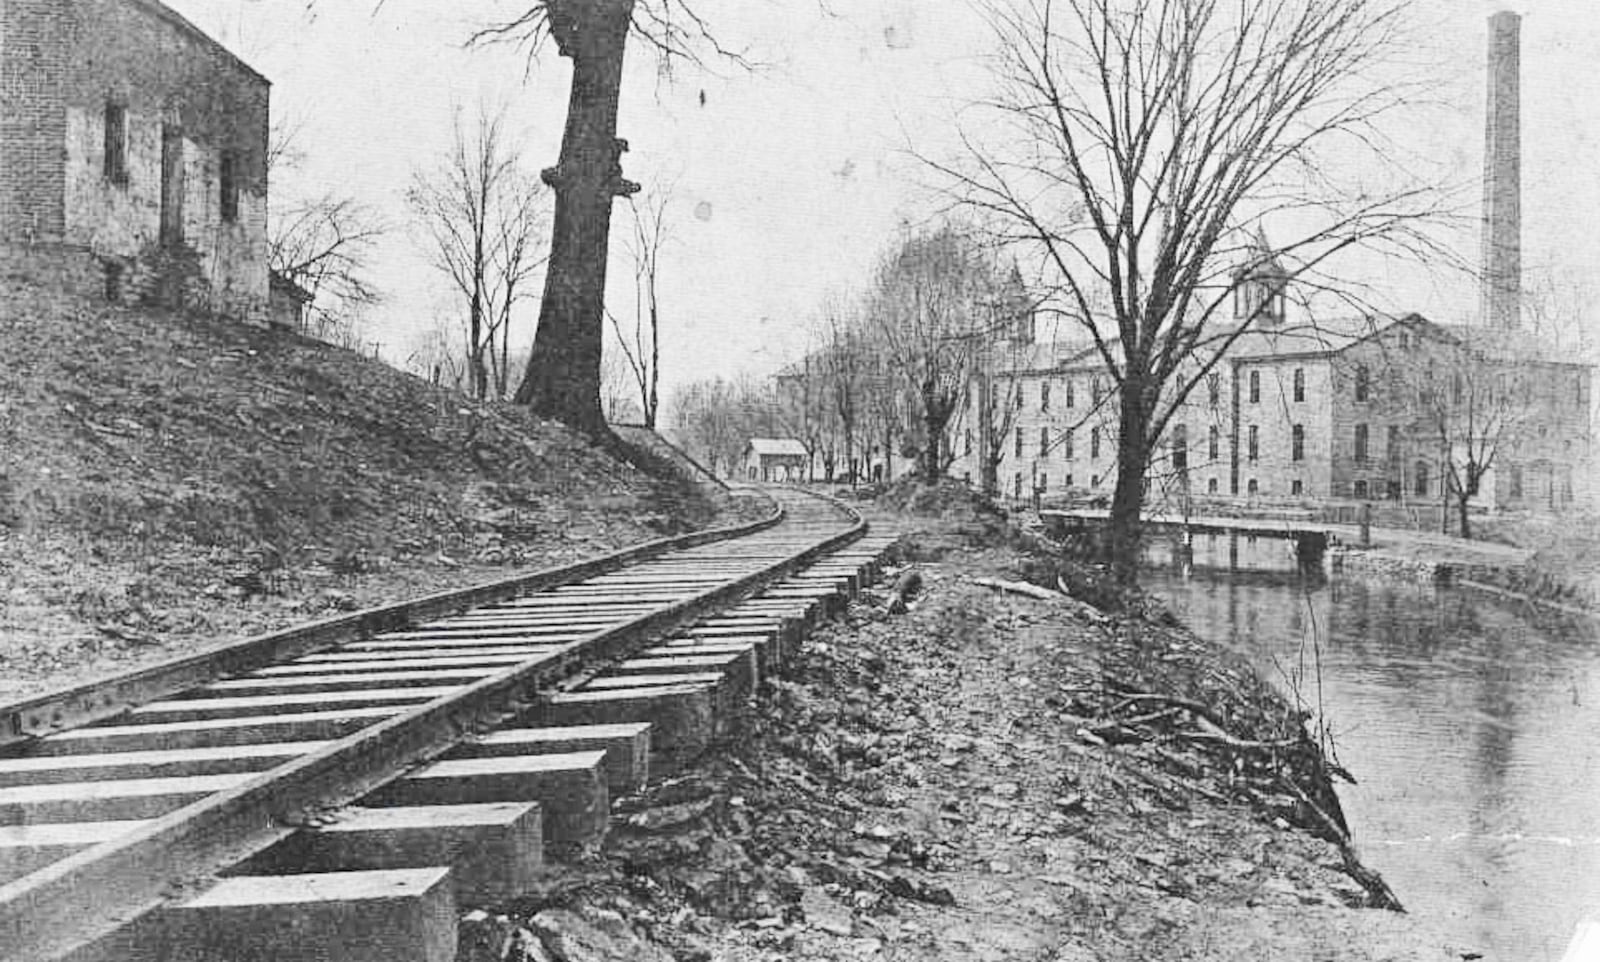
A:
(974, 780)
(170, 481)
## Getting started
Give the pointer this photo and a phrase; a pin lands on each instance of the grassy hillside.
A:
(171, 480)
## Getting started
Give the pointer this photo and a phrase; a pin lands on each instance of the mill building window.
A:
(1362, 385)
(1213, 442)
(1044, 396)
(1044, 442)
(1018, 445)
(1420, 477)
(1297, 443)
(1299, 384)
(1361, 443)
(1255, 387)
(1067, 444)
(1094, 444)
(1254, 447)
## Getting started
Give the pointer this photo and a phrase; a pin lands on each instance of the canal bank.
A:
(1467, 721)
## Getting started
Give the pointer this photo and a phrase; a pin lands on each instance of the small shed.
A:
(286, 302)
(775, 459)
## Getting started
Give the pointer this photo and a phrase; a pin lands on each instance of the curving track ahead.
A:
(125, 800)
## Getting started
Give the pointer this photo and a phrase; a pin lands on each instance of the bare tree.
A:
(482, 219)
(1472, 406)
(324, 244)
(1139, 145)
(933, 304)
(563, 376)
(844, 359)
(641, 345)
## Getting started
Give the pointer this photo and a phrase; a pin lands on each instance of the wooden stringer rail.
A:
(125, 802)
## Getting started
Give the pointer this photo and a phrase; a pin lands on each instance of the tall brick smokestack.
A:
(1502, 176)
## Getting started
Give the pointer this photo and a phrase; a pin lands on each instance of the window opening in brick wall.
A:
(1362, 382)
(1299, 384)
(1296, 487)
(1361, 442)
(1297, 443)
(1018, 447)
(228, 184)
(116, 148)
(1255, 387)
(1254, 447)
(1094, 444)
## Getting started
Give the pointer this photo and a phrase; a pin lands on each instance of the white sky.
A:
(800, 169)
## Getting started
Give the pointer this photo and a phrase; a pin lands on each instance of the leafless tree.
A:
(641, 346)
(933, 305)
(482, 219)
(1139, 145)
(563, 376)
(1471, 407)
(845, 359)
(324, 244)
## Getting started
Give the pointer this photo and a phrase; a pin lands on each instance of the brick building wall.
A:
(34, 42)
(195, 125)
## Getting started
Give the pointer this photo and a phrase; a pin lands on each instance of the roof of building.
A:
(184, 24)
(778, 446)
(1323, 336)
(1515, 345)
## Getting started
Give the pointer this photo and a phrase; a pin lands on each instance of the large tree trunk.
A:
(1128, 499)
(563, 376)
(1461, 512)
(931, 469)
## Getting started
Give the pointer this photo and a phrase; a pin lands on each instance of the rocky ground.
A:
(986, 776)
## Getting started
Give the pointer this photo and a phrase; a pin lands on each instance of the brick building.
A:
(1347, 411)
(133, 155)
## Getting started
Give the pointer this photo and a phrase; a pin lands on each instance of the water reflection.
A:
(1472, 726)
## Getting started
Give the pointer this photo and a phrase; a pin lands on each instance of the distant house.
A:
(775, 459)
(287, 302)
(133, 155)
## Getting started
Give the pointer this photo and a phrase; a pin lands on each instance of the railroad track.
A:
(335, 791)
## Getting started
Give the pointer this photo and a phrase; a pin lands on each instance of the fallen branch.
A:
(1018, 588)
(1378, 891)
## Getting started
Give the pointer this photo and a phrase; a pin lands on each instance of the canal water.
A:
(1471, 724)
